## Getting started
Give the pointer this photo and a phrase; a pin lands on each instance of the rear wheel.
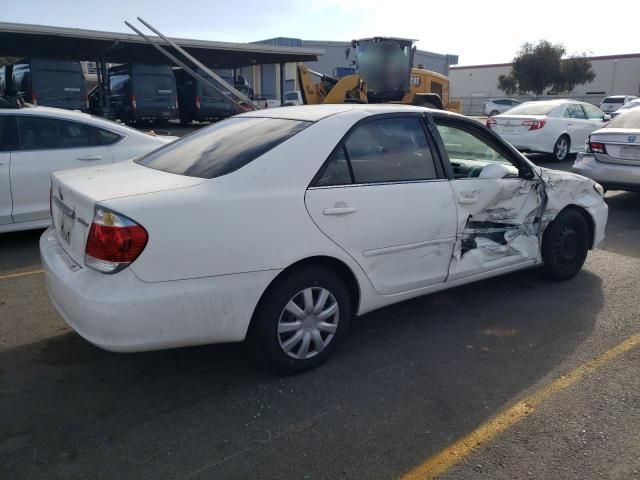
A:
(565, 245)
(301, 320)
(494, 113)
(561, 148)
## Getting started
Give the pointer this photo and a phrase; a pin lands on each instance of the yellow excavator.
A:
(385, 74)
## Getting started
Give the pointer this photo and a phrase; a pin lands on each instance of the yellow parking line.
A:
(20, 274)
(462, 448)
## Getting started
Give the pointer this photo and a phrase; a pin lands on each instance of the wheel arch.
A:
(331, 263)
(587, 217)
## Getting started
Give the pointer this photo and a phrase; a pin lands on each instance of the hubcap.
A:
(567, 245)
(308, 323)
(562, 148)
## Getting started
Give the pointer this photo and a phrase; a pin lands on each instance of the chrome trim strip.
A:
(409, 246)
(64, 208)
(401, 182)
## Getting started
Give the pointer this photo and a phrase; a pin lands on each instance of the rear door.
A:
(48, 144)
(8, 142)
(383, 199)
(498, 216)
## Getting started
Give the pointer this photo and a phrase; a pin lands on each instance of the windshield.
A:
(613, 100)
(223, 147)
(626, 120)
(533, 108)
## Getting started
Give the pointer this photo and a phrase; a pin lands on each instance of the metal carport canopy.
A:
(25, 40)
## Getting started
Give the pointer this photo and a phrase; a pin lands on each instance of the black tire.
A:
(565, 246)
(264, 339)
(494, 113)
(562, 148)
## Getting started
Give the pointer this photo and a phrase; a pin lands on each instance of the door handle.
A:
(467, 197)
(339, 210)
(90, 157)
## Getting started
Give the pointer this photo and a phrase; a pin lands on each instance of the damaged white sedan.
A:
(277, 226)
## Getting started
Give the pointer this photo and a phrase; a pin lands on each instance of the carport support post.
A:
(281, 84)
(103, 77)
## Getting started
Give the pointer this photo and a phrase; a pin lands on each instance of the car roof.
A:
(72, 115)
(314, 113)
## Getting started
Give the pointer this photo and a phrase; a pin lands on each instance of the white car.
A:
(558, 127)
(612, 103)
(612, 155)
(626, 107)
(496, 106)
(278, 225)
(34, 141)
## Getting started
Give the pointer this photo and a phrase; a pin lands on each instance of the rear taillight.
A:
(197, 102)
(596, 147)
(34, 99)
(134, 104)
(533, 124)
(491, 122)
(114, 241)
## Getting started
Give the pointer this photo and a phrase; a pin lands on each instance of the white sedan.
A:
(612, 154)
(278, 225)
(35, 141)
(558, 127)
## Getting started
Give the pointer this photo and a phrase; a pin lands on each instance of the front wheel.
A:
(565, 245)
(301, 320)
(561, 148)
(494, 113)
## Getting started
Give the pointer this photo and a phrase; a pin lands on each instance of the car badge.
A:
(631, 138)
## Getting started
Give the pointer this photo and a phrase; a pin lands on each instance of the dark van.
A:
(49, 83)
(141, 93)
(202, 103)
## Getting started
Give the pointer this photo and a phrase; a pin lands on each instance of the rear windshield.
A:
(60, 84)
(629, 119)
(533, 108)
(223, 147)
(613, 100)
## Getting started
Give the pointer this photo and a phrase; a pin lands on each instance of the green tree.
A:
(537, 67)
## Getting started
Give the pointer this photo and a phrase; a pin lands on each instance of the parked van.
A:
(202, 103)
(49, 83)
(139, 93)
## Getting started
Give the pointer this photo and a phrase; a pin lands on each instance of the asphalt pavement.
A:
(409, 382)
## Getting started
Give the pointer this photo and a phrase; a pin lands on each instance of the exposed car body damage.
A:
(501, 223)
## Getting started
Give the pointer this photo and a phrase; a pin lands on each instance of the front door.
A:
(381, 199)
(498, 211)
(46, 145)
(8, 141)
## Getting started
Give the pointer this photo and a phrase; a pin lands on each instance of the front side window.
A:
(469, 152)
(119, 84)
(40, 133)
(390, 150)
(592, 112)
(223, 147)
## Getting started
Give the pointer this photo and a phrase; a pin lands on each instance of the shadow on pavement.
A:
(408, 380)
(19, 250)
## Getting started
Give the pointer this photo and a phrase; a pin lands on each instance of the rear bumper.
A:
(609, 175)
(122, 313)
(530, 142)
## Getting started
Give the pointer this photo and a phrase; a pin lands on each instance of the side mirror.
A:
(606, 117)
(494, 171)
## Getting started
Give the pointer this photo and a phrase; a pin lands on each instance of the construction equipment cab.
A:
(384, 74)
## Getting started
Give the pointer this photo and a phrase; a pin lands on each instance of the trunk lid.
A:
(622, 145)
(512, 125)
(74, 194)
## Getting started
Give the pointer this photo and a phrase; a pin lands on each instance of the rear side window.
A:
(392, 149)
(223, 147)
(103, 137)
(40, 133)
(8, 133)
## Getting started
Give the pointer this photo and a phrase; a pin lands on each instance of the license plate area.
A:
(631, 152)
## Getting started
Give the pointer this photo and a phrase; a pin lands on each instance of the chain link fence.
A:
(475, 105)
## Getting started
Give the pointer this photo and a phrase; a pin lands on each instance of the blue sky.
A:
(478, 31)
